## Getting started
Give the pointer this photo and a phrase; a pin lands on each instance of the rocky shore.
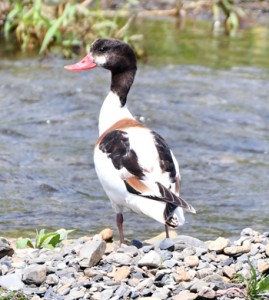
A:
(179, 268)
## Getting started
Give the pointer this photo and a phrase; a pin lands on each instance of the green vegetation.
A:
(233, 14)
(255, 288)
(44, 240)
(67, 27)
(14, 295)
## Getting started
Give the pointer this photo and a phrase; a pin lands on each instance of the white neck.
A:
(111, 112)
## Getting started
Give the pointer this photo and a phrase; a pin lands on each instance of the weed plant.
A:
(67, 27)
(11, 295)
(256, 288)
(44, 240)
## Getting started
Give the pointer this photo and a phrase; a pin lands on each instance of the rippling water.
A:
(215, 120)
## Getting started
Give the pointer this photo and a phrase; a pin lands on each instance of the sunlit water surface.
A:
(213, 110)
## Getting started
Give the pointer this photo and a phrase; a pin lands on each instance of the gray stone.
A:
(189, 241)
(248, 232)
(170, 263)
(52, 279)
(161, 293)
(197, 285)
(227, 261)
(201, 251)
(166, 255)
(151, 260)
(148, 282)
(254, 249)
(5, 248)
(243, 258)
(34, 275)
(123, 291)
(51, 294)
(218, 281)
(204, 273)
(167, 244)
(138, 244)
(207, 293)
(130, 250)
(147, 248)
(11, 282)
(106, 294)
(67, 273)
(19, 265)
(203, 265)
(76, 293)
(119, 259)
(92, 252)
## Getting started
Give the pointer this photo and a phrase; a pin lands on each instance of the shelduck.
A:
(134, 164)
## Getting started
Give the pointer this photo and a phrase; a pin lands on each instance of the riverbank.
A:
(179, 268)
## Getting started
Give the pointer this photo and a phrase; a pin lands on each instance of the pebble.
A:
(178, 268)
(34, 274)
(263, 265)
(107, 234)
(92, 252)
(151, 259)
(228, 271)
(267, 249)
(191, 261)
(219, 244)
(5, 248)
(235, 250)
(11, 282)
(122, 273)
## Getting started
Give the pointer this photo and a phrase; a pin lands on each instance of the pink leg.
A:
(120, 226)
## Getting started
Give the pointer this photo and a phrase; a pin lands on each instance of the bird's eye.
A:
(103, 49)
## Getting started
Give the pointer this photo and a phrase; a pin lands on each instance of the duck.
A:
(134, 164)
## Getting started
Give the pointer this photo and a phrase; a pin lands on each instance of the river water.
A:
(207, 96)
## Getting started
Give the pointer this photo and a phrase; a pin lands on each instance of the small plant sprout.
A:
(256, 288)
(44, 240)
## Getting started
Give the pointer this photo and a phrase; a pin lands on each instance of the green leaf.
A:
(21, 243)
(9, 23)
(50, 34)
(45, 239)
(252, 271)
(263, 284)
(64, 233)
(39, 235)
(55, 240)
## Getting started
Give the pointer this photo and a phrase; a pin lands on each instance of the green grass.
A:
(256, 288)
(13, 295)
(65, 28)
